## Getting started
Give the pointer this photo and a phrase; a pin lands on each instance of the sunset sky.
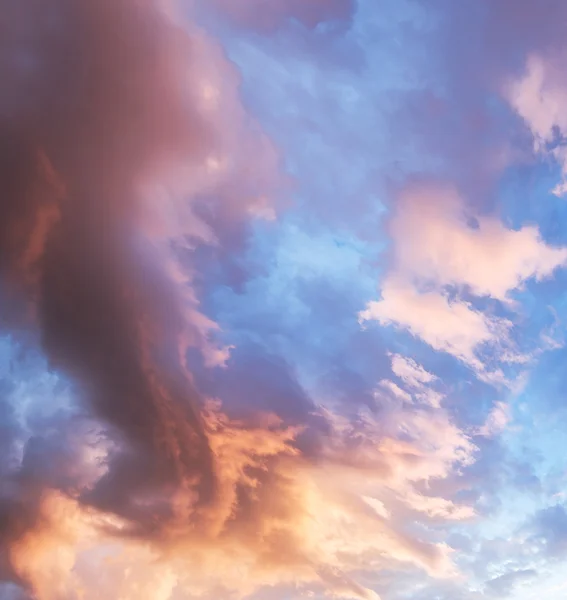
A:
(283, 299)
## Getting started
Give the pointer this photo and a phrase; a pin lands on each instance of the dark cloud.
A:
(100, 102)
(10, 428)
(93, 104)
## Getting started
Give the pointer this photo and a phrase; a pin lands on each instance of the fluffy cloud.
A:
(279, 517)
(450, 326)
(435, 239)
(439, 247)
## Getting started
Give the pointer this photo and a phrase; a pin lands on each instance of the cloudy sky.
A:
(283, 291)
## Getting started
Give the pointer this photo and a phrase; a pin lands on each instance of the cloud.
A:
(441, 251)
(434, 242)
(126, 155)
(410, 372)
(100, 257)
(538, 96)
(115, 165)
(417, 379)
(267, 16)
(285, 512)
(504, 585)
(281, 516)
(548, 529)
(446, 325)
(497, 420)
(210, 420)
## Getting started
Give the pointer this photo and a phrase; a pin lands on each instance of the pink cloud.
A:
(434, 242)
(419, 381)
(539, 97)
(446, 325)
(439, 246)
(497, 420)
(410, 372)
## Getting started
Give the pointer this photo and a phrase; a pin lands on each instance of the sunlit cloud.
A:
(281, 290)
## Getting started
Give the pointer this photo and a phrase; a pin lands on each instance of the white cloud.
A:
(410, 372)
(448, 326)
(540, 97)
(440, 253)
(497, 420)
(434, 242)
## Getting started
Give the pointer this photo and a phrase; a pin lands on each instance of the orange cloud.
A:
(279, 517)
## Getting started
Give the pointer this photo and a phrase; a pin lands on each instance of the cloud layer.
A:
(281, 290)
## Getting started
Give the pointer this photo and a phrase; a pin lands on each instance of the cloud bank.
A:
(279, 315)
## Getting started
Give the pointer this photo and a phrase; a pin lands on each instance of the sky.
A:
(282, 299)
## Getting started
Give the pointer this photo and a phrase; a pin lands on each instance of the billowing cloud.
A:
(194, 403)
(125, 153)
(278, 517)
(114, 132)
